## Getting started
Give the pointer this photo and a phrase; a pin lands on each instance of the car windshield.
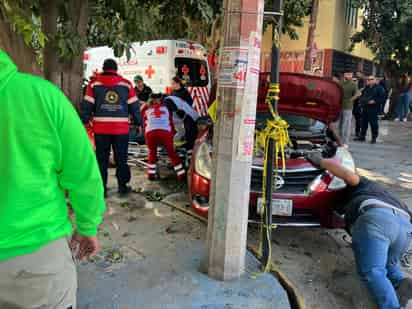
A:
(194, 71)
(296, 122)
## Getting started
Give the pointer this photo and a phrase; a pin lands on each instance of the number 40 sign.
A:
(233, 67)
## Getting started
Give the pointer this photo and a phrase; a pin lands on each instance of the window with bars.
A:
(351, 14)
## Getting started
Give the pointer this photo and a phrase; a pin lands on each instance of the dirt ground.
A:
(320, 262)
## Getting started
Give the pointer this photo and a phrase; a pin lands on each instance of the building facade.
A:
(337, 22)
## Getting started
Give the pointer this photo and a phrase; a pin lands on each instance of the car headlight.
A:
(203, 163)
(346, 160)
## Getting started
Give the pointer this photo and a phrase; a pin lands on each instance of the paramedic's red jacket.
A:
(157, 117)
(109, 100)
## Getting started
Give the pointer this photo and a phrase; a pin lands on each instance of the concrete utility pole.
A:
(233, 138)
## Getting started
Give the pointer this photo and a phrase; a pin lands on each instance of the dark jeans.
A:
(370, 116)
(190, 133)
(120, 144)
(357, 114)
(402, 108)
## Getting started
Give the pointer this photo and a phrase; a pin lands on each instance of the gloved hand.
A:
(315, 158)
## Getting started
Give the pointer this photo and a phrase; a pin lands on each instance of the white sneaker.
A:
(396, 120)
(405, 119)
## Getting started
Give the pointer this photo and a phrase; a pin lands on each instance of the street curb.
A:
(295, 299)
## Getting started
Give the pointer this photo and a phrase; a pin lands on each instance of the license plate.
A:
(279, 207)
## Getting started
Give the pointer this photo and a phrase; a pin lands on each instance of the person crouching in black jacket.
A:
(180, 91)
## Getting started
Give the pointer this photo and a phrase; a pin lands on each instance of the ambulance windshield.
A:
(194, 71)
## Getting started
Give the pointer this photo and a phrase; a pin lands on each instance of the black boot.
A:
(124, 190)
(360, 139)
(373, 141)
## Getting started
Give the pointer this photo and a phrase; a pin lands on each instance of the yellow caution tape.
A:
(277, 130)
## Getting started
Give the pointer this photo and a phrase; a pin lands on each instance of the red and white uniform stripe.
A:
(200, 97)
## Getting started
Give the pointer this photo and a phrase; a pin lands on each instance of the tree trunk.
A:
(311, 35)
(22, 55)
(73, 69)
(68, 75)
(51, 64)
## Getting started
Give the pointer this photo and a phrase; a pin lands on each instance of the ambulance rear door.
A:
(196, 73)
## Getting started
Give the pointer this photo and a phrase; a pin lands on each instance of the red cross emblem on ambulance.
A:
(149, 72)
(202, 72)
(185, 69)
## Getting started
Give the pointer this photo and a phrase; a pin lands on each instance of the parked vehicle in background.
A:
(304, 195)
(158, 62)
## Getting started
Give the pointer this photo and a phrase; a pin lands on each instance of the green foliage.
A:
(294, 12)
(386, 31)
(24, 21)
(117, 23)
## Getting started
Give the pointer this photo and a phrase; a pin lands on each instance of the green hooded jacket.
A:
(44, 150)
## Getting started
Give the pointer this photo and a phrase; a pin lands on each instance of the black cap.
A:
(109, 65)
(156, 96)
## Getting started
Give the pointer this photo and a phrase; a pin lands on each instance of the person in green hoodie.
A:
(44, 153)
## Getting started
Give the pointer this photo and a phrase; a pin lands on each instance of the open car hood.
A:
(306, 95)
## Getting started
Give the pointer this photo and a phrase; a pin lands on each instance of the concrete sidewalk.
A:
(150, 258)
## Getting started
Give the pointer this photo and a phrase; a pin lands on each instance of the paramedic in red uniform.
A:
(179, 90)
(159, 130)
(109, 100)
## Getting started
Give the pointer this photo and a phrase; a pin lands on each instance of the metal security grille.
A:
(351, 14)
(294, 182)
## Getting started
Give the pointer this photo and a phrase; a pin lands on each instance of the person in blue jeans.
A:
(381, 229)
(402, 107)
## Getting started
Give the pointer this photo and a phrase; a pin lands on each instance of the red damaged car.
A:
(304, 195)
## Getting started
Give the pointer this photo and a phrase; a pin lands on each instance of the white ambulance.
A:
(158, 62)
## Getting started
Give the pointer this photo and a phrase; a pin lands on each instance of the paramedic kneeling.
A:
(159, 130)
(381, 229)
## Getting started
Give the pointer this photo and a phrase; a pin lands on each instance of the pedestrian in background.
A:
(385, 83)
(350, 94)
(357, 109)
(362, 82)
(179, 90)
(143, 93)
(142, 90)
(403, 106)
(369, 102)
(37, 168)
(110, 99)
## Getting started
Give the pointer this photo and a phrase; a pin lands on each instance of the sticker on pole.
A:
(248, 111)
(233, 67)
